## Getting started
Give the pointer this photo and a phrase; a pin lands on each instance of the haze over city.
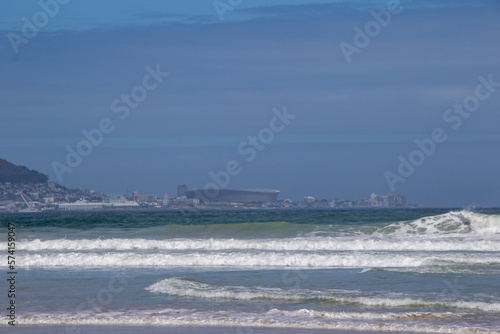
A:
(308, 97)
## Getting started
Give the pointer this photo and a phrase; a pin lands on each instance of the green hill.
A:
(19, 174)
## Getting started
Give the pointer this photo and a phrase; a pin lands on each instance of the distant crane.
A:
(27, 200)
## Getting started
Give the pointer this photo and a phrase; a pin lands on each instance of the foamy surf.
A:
(351, 271)
(290, 244)
(183, 287)
(272, 319)
(452, 231)
(453, 222)
(255, 259)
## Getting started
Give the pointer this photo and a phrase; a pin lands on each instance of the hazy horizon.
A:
(285, 95)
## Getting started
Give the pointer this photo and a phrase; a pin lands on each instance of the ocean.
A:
(370, 271)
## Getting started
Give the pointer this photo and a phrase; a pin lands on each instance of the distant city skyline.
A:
(52, 197)
(314, 98)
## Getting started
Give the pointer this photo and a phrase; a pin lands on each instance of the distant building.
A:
(48, 200)
(383, 201)
(80, 206)
(181, 190)
(144, 198)
(165, 200)
(308, 199)
(230, 195)
(184, 201)
(118, 200)
(115, 199)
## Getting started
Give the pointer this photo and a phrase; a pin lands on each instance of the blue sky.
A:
(353, 120)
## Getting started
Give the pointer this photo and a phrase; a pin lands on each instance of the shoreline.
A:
(236, 209)
(133, 329)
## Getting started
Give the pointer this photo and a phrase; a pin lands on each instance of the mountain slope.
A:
(19, 174)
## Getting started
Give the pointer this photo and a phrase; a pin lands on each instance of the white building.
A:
(80, 205)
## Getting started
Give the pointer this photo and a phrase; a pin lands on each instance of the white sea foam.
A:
(451, 223)
(453, 231)
(182, 287)
(253, 259)
(291, 244)
(452, 241)
(307, 313)
(272, 319)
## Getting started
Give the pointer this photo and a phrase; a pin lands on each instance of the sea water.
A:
(415, 270)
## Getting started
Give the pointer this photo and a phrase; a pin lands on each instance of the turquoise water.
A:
(375, 270)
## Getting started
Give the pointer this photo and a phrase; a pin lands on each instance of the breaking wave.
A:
(453, 231)
(454, 222)
(457, 238)
(251, 321)
(184, 287)
(290, 244)
(255, 259)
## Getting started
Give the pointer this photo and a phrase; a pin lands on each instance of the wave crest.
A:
(189, 288)
(453, 222)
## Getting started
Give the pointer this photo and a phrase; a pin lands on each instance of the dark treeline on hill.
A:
(19, 174)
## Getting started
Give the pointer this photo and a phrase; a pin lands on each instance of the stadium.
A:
(229, 195)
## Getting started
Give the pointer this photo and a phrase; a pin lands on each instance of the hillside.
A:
(19, 174)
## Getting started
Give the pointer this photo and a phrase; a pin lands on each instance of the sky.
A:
(331, 99)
